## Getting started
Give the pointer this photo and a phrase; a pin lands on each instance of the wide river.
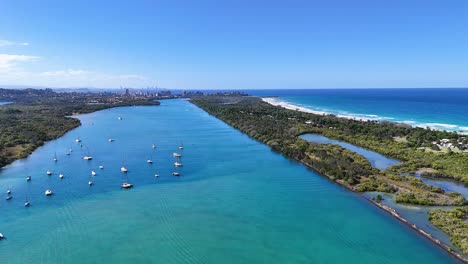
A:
(235, 201)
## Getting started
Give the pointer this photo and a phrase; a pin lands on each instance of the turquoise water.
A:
(439, 108)
(377, 160)
(236, 201)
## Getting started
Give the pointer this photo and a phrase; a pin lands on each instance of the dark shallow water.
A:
(236, 201)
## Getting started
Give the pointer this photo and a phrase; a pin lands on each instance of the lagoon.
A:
(377, 160)
(235, 202)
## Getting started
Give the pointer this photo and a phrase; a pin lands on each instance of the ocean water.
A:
(377, 160)
(438, 108)
(236, 201)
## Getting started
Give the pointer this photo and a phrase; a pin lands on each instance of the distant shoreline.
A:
(275, 101)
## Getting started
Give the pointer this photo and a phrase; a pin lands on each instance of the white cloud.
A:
(9, 61)
(73, 78)
(64, 73)
(14, 71)
(5, 43)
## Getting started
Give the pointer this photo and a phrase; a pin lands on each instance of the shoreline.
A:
(72, 116)
(275, 101)
(458, 256)
(392, 212)
(387, 209)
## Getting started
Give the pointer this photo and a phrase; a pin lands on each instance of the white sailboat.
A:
(27, 203)
(55, 157)
(153, 146)
(48, 192)
(110, 140)
(177, 164)
(90, 183)
(28, 178)
(119, 118)
(101, 167)
(175, 173)
(93, 173)
(123, 169)
(78, 140)
(156, 175)
(126, 184)
(49, 172)
(61, 176)
(8, 191)
(1, 236)
(176, 155)
(87, 157)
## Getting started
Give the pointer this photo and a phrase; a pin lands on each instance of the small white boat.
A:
(49, 172)
(153, 146)
(27, 203)
(181, 147)
(90, 183)
(93, 173)
(110, 140)
(61, 176)
(175, 173)
(177, 164)
(127, 185)
(119, 118)
(78, 140)
(28, 178)
(48, 192)
(8, 191)
(150, 161)
(101, 167)
(176, 155)
(9, 197)
(123, 169)
(2, 236)
(156, 175)
(87, 157)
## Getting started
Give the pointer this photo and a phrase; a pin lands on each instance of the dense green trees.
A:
(454, 223)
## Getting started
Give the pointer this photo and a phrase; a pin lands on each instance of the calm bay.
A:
(236, 201)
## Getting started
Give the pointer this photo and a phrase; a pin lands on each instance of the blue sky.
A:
(234, 44)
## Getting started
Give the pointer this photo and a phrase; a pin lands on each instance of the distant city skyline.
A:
(234, 44)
